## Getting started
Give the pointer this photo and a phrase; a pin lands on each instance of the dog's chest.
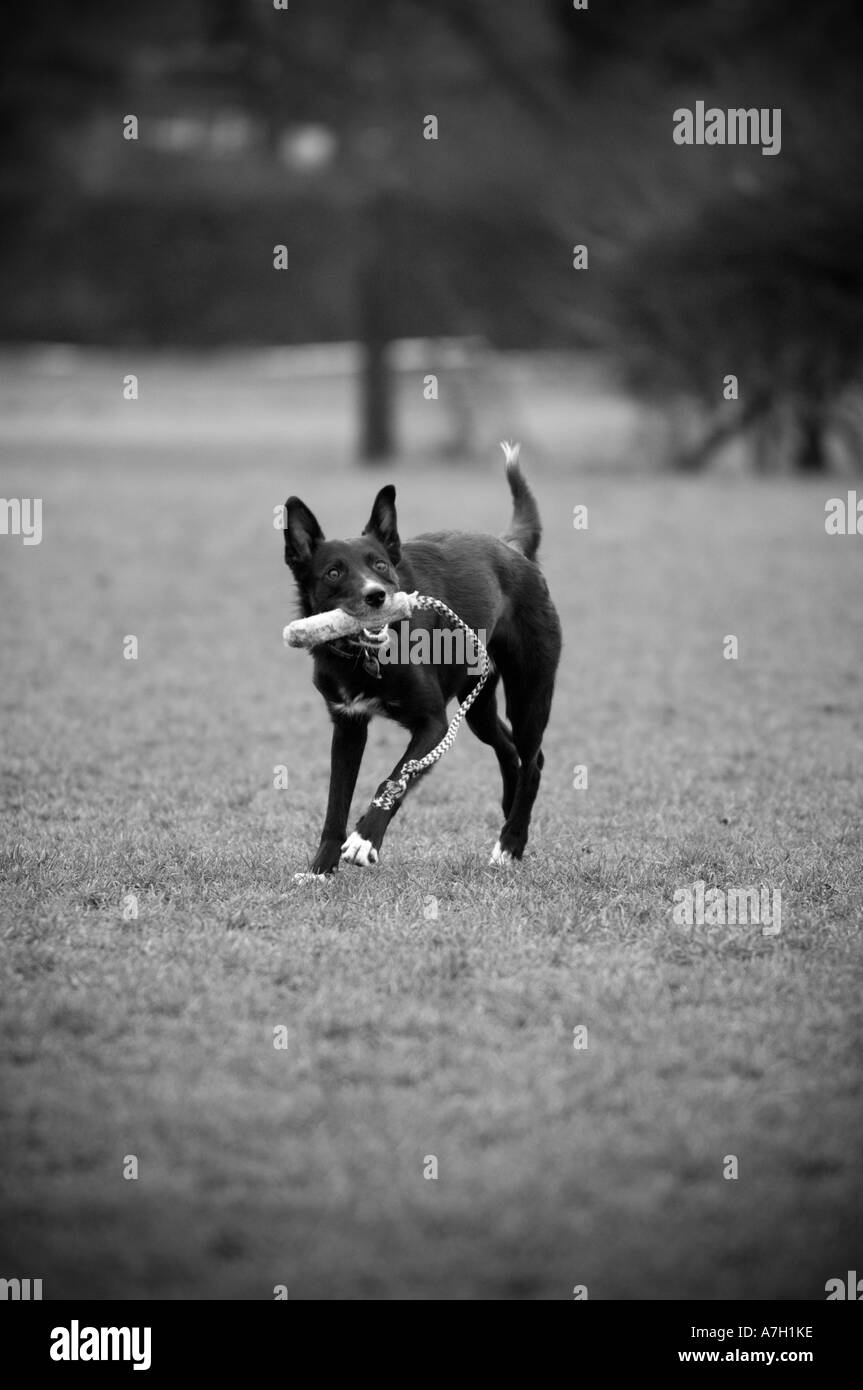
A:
(355, 694)
(363, 704)
(360, 706)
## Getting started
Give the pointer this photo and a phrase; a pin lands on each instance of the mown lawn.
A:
(411, 1036)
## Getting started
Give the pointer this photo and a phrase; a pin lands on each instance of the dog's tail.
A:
(525, 528)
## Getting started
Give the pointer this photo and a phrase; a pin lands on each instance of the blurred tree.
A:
(373, 70)
(737, 263)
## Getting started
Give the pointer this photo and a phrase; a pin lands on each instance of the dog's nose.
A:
(375, 597)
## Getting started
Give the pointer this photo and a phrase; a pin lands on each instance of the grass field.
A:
(411, 1037)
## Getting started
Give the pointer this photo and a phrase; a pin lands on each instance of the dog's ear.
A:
(382, 523)
(302, 534)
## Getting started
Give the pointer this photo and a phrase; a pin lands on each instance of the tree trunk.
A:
(811, 456)
(375, 330)
(376, 440)
(697, 458)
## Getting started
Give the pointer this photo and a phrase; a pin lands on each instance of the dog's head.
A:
(356, 575)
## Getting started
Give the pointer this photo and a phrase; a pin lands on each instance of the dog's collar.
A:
(366, 645)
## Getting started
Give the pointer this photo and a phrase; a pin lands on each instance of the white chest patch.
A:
(362, 706)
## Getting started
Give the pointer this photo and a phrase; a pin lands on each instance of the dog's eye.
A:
(333, 573)
(382, 566)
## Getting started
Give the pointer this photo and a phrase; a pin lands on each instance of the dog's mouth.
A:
(373, 637)
(373, 640)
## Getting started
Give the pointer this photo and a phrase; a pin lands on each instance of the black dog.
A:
(494, 586)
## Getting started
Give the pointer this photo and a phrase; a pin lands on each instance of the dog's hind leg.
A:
(528, 711)
(484, 720)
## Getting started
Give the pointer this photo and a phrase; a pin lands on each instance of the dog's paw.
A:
(358, 851)
(500, 858)
(310, 877)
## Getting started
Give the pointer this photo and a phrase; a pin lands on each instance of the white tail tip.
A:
(510, 451)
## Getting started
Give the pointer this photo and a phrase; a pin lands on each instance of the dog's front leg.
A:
(348, 746)
(363, 844)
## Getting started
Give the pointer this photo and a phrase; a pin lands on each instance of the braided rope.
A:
(395, 788)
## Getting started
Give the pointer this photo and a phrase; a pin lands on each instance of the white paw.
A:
(500, 857)
(309, 877)
(358, 851)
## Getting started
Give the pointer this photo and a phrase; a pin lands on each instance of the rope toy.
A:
(329, 627)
